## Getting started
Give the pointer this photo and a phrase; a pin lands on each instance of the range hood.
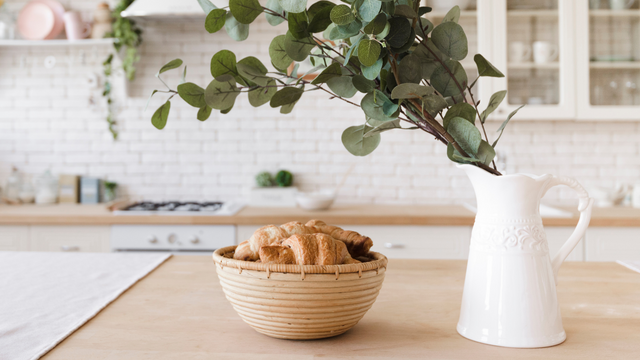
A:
(167, 9)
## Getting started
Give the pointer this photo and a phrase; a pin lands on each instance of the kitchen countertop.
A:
(179, 312)
(369, 214)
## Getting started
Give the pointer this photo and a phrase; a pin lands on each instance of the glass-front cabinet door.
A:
(533, 45)
(608, 59)
(479, 42)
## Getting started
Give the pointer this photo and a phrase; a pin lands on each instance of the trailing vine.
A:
(127, 37)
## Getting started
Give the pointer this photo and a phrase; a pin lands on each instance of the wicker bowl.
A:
(300, 302)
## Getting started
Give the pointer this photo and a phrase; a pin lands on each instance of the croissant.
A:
(296, 227)
(358, 245)
(313, 249)
(249, 250)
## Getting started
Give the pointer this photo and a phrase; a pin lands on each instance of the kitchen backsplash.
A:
(52, 118)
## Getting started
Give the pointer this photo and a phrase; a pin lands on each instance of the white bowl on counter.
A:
(316, 200)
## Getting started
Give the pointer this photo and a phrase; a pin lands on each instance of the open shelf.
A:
(441, 14)
(57, 42)
(614, 64)
(614, 13)
(532, 65)
(532, 13)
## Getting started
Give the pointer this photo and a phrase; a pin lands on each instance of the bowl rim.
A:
(379, 261)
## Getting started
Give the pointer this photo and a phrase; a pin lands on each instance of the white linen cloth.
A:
(44, 297)
(633, 265)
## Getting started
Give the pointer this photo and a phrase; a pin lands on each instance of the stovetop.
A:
(181, 208)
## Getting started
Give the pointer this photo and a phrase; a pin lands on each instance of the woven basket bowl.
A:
(300, 302)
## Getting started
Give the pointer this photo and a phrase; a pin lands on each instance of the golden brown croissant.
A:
(297, 228)
(266, 235)
(358, 245)
(313, 249)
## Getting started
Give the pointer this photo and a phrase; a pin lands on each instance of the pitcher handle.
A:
(585, 206)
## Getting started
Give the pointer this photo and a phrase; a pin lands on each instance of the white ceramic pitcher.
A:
(510, 288)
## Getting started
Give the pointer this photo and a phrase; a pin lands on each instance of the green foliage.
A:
(159, 118)
(284, 178)
(264, 179)
(408, 70)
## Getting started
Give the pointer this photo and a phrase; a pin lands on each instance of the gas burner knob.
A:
(194, 239)
(152, 239)
(172, 238)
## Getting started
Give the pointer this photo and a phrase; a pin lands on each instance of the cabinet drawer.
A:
(418, 242)
(13, 238)
(70, 238)
(611, 244)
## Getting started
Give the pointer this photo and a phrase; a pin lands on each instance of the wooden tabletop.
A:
(443, 215)
(179, 312)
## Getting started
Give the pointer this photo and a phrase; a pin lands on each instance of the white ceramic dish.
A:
(317, 200)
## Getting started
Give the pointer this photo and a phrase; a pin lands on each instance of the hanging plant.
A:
(127, 38)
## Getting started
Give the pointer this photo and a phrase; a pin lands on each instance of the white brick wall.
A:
(46, 121)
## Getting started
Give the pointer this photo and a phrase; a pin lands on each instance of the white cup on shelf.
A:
(620, 4)
(544, 52)
(519, 51)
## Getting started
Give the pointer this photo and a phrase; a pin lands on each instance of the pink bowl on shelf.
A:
(41, 19)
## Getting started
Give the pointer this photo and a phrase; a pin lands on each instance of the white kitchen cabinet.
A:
(418, 242)
(14, 238)
(69, 238)
(613, 243)
(557, 236)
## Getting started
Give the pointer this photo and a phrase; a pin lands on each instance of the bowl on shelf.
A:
(317, 200)
(300, 302)
(446, 5)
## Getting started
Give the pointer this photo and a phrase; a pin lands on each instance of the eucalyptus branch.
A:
(464, 98)
(493, 162)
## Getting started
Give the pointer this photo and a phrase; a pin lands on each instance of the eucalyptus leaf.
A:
(320, 16)
(175, 63)
(355, 41)
(286, 95)
(377, 25)
(385, 31)
(298, 25)
(463, 110)
(494, 102)
(204, 113)
(227, 110)
(444, 83)
(465, 134)
(278, 53)
(346, 31)
(253, 61)
(363, 84)
(409, 70)
(386, 126)
(342, 86)
(449, 37)
(342, 15)
(369, 9)
(222, 63)
(192, 94)
(327, 74)
(293, 6)
(373, 106)
(410, 42)
(221, 93)
(406, 11)
(245, 11)
(253, 74)
(486, 153)
(485, 68)
(298, 49)
(262, 95)
(423, 27)
(371, 72)
(159, 118)
(288, 108)
(455, 156)
(504, 125)
(215, 20)
(411, 91)
(353, 139)
(434, 103)
(399, 32)
(236, 30)
(453, 15)
(274, 5)
(368, 52)
(423, 10)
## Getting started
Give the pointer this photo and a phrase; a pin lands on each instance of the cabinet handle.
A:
(70, 248)
(393, 246)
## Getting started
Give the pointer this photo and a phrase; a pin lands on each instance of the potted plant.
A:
(274, 191)
(410, 73)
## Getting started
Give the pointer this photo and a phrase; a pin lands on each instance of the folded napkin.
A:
(633, 265)
(44, 297)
